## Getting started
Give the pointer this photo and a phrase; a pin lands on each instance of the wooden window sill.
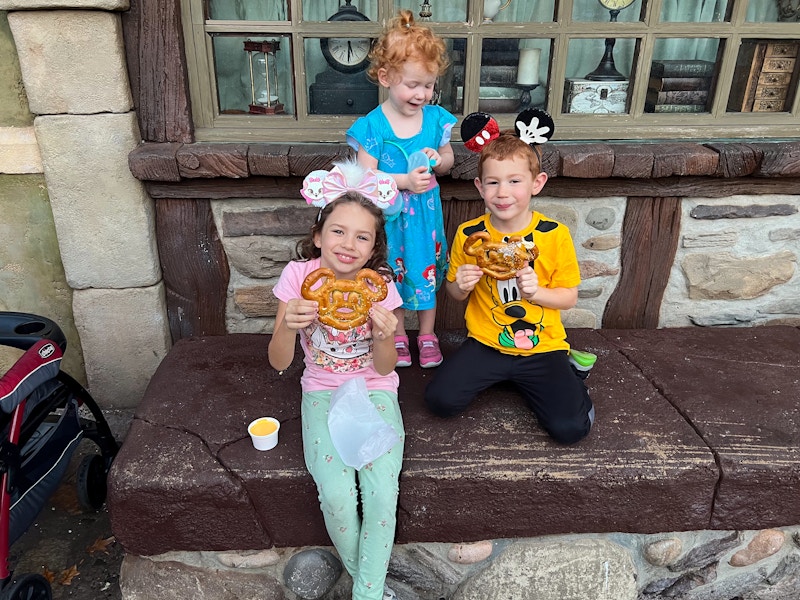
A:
(177, 162)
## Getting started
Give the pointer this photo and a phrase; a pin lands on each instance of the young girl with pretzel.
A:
(517, 269)
(410, 138)
(348, 236)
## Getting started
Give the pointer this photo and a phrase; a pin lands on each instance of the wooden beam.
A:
(154, 49)
(649, 242)
(195, 268)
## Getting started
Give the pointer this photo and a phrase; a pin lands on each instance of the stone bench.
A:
(697, 428)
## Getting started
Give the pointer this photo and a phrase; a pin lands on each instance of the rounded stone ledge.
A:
(616, 566)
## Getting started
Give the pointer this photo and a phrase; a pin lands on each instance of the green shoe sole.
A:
(582, 360)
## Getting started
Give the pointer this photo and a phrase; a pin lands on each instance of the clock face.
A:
(347, 55)
(616, 4)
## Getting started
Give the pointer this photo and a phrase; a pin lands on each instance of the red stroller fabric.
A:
(41, 362)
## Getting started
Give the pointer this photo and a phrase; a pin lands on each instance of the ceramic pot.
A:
(492, 7)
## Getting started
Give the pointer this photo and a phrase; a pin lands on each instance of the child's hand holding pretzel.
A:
(300, 313)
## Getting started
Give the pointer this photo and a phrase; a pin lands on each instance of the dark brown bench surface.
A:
(696, 428)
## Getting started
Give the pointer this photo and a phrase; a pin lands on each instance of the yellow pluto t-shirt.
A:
(496, 314)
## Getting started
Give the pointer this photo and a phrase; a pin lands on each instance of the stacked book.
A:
(679, 86)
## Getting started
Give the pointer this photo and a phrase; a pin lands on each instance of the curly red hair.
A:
(404, 40)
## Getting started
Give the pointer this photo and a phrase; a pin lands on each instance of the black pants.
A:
(546, 381)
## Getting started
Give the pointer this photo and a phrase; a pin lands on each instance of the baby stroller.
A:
(41, 425)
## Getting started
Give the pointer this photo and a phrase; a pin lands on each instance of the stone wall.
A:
(72, 61)
(693, 565)
(31, 273)
(736, 262)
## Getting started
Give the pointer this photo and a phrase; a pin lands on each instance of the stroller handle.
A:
(23, 330)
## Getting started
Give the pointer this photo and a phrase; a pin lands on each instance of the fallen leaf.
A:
(101, 545)
(48, 574)
(67, 575)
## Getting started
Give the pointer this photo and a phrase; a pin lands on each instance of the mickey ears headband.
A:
(321, 187)
(533, 126)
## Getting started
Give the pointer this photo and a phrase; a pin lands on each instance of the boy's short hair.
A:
(508, 145)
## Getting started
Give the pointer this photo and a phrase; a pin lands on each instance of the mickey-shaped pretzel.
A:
(500, 260)
(344, 303)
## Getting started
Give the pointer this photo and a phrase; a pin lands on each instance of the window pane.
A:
(518, 11)
(324, 10)
(594, 11)
(762, 81)
(682, 75)
(446, 89)
(450, 11)
(338, 83)
(270, 90)
(500, 72)
(693, 12)
(587, 56)
(247, 10)
(783, 11)
(597, 75)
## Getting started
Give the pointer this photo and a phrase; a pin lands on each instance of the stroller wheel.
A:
(91, 483)
(27, 587)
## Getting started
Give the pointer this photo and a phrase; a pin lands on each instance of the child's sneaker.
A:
(582, 362)
(403, 351)
(429, 353)
(388, 593)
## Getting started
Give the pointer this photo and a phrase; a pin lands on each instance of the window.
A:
(292, 70)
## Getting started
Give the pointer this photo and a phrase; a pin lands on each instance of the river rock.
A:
(312, 573)
(467, 554)
(764, 544)
(663, 552)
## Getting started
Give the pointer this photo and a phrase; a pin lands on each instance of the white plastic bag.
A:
(357, 430)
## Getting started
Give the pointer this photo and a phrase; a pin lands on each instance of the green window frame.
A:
(639, 31)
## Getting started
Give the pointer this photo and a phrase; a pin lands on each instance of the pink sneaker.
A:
(403, 351)
(429, 353)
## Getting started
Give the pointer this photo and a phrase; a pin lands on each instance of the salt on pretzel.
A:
(344, 303)
(500, 260)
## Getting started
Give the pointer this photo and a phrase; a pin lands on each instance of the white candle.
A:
(528, 68)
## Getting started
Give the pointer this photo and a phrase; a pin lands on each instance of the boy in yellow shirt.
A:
(514, 325)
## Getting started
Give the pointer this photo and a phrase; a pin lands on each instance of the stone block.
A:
(61, 67)
(19, 151)
(13, 101)
(124, 335)
(104, 218)
(141, 577)
(738, 388)
(643, 468)
(56, 4)
(590, 568)
(260, 256)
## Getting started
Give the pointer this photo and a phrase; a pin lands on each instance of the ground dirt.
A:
(70, 546)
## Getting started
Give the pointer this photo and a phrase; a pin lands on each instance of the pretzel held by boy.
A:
(500, 260)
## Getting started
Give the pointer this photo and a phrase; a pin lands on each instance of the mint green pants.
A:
(364, 543)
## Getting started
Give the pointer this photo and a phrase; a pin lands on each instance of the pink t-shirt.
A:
(332, 356)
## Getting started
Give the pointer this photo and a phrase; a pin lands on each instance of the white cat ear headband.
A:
(321, 187)
(533, 126)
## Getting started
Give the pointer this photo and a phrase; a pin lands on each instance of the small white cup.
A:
(264, 433)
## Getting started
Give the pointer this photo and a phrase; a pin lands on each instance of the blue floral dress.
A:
(416, 236)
